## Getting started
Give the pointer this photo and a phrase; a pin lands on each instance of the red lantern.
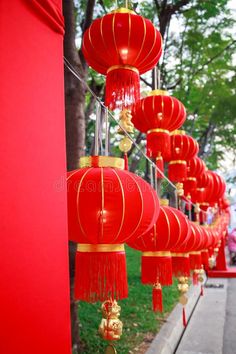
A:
(157, 115)
(195, 168)
(122, 45)
(101, 217)
(183, 148)
(169, 231)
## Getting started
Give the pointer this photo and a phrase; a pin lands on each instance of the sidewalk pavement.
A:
(212, 322)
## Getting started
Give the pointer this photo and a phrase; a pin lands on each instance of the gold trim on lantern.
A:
(103, 247)
(156, 254)
(205, 250)
(173, 162)
(174, 254)
(195, 253)
(158, 92)
(164, 202)
(102, 161)
(204, 204)
(191, 179)
(178, 132)
(123, 10)
(127, 67)
(158, 130)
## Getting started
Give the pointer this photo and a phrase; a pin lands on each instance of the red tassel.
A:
(180, 266)
(160, 166)
(205, 259)
(122, 87)
(195, 261)
(126, 161)
(202, 292)
(177, 172)
(184, 317)
(156, 267)
(195, 278)
(100, 276)
(158, 142)
(157, 303)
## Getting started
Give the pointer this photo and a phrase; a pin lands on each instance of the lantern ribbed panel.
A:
(101, 216)
(157, 115)
(122, 46)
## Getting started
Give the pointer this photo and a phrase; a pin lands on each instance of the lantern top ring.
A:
(158, 130)
(123, 10)
(178, 132)
(102, 161)
(127, 67)
(158, 93)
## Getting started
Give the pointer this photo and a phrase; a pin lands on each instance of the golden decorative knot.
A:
(125, 117)
(110, 327)
(101, 161)
(125, 144)
(86, 247)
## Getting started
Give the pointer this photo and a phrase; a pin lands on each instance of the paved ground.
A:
(212, 325)
(229, 339)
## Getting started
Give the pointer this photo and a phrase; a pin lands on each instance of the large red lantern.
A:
(101, 217)
(157, 115)
(183, 148)
(122, 45)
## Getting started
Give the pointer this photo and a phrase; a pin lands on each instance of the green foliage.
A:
(136, 313)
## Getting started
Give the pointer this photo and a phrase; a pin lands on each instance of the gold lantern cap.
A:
(123, 10)
(164, 202)
(178, 132)
(102, 161)
(158, 93)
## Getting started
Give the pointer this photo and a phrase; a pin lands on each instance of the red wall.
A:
(34, 291)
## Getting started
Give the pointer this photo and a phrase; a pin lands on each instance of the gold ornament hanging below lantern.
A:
(110, 327)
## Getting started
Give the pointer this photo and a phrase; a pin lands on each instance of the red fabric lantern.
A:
(183, 148)
(157, 115)
(195, 255)
(122, 45)
(169, 231)
(195, 168)
(101, 217)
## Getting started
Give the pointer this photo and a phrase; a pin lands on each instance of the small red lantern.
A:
(157, 115)
(122, 45)
(101, 217)
(195, 168)
(183, 148)
(169, 231)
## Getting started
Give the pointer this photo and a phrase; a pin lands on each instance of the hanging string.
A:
(97, 124)
(78, 76)
(106, 133)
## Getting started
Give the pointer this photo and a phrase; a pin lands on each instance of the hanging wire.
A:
(101, 104)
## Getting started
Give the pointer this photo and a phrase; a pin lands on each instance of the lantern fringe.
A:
(157, 301)
(122, 88)
(205, 259)
(100, 276)
(195, 261)
(158, 142)
(195, 278)
(177, 172)
(180, 266)
(126, 161)
(184, 317)
(155, 267)
(160, 166)
(202, 291)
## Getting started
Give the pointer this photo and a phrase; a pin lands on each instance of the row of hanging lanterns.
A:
(109, 206)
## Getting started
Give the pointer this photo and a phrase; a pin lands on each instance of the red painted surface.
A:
(34, 291)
